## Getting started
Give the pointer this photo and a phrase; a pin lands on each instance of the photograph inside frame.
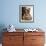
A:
(26, 13)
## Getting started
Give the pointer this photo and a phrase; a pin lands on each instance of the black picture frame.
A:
(26, 13)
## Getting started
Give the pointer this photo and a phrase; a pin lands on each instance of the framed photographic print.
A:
(26, 13)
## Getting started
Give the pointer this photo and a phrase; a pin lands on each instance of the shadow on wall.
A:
(2, 26)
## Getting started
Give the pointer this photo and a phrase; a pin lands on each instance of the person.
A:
(26, 14)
